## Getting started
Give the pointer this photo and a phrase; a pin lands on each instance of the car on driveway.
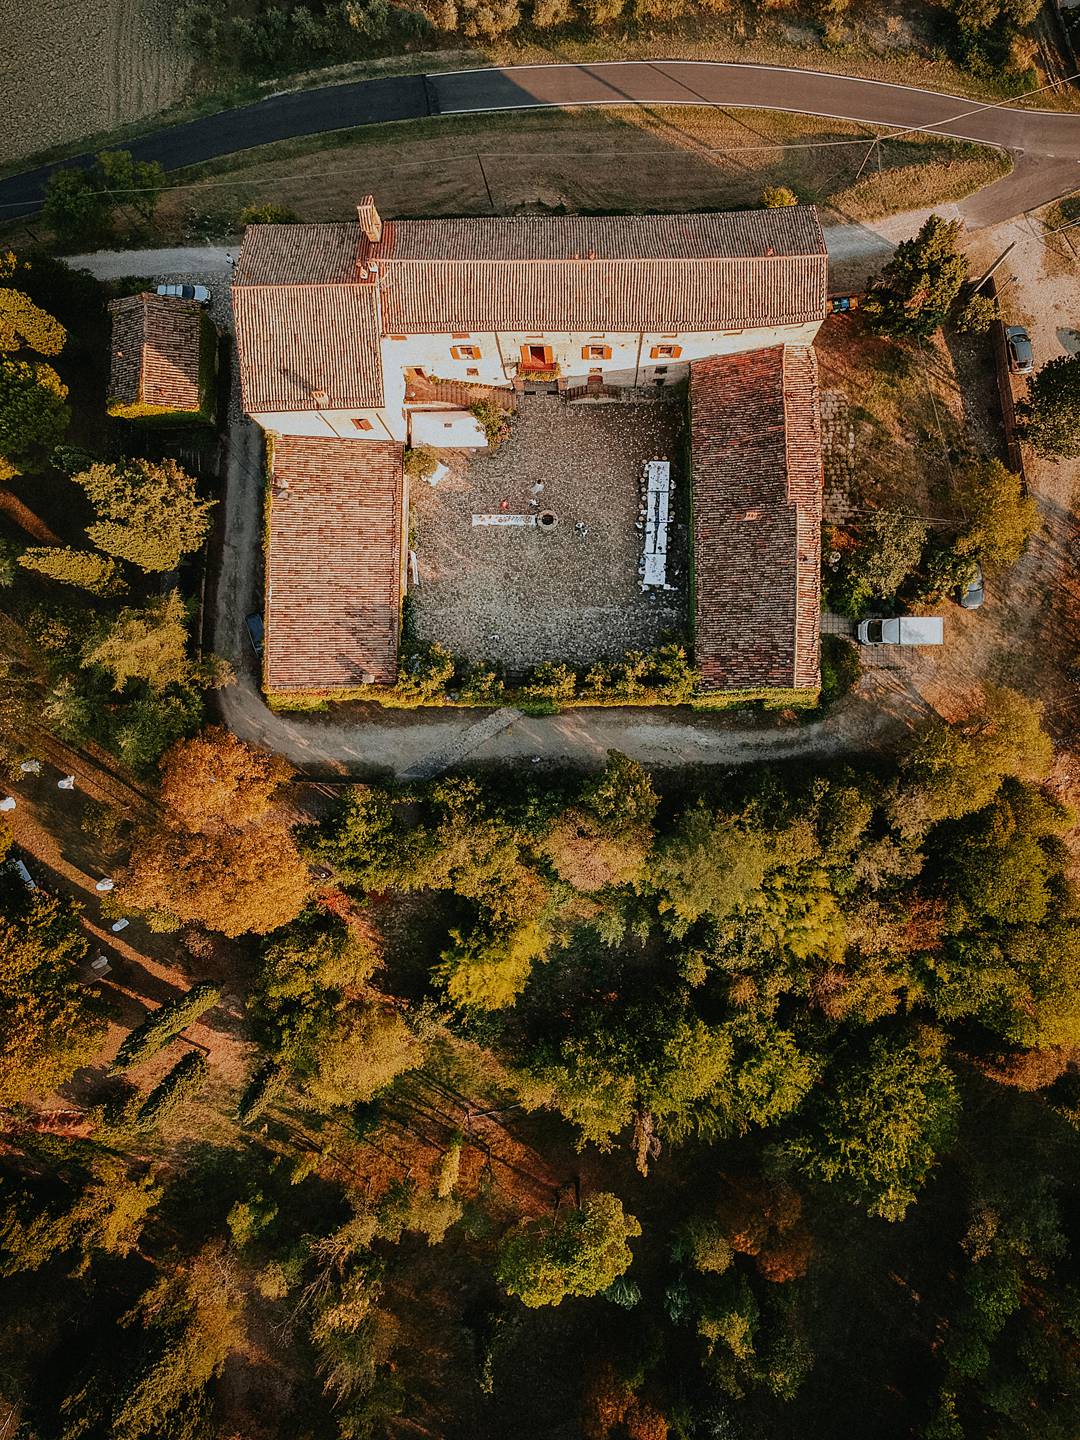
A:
(256, 634)
(186, 292)
(1021, 355)
(972, 595)
(905, 630)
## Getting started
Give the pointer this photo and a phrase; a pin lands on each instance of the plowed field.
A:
(74, 68)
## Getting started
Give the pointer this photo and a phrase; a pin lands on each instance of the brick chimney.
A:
(370, 220)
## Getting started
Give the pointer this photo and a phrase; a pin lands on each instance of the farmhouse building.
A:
(386, 332)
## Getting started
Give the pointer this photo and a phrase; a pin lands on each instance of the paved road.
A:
(1046, 143)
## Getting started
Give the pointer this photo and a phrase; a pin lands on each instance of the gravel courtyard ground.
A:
(516, 596)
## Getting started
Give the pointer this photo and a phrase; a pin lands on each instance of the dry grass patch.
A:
(603, 160)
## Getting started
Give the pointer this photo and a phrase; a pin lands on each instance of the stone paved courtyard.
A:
(518, 596)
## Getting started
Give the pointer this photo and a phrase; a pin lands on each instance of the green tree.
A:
(708, 865)
(487, 968)
(24, 325)
(622, 797)
(919, 285)
(107, 1215)
(948, 771)
(148, 512)
(148, 644)
(887, 1112)
(580, 1252)
(133, 184)
(1000, 518)
(84, 569)
(76, 209)
(357, 1053)
(1050, 416)
(163, 1025)
(50, 1024)
(976, 315)
(33, 413)
(181, 1084)
(186, 1325)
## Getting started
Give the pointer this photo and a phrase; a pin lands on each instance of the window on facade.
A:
(472, 370)
(661, 370)
(465, 352)
(665, 352)
(596, 352)
(596, 370)
(359, 423)
(398, 337)
(460, 335)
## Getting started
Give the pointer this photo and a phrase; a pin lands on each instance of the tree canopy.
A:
(148, 512)
(919, 285)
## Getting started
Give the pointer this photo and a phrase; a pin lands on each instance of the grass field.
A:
(624, 159)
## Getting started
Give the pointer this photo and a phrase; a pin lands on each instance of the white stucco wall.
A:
(631, 362)
(447, 428)
(500, 354)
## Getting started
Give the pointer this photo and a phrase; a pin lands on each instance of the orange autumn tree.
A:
(215, 781)
(219, 856)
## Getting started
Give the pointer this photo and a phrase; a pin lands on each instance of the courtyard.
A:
(514, 595)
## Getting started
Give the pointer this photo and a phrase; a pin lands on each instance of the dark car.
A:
(972, 595)
(254, 624)
(1021, 355)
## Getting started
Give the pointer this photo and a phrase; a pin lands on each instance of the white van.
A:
(906, 630)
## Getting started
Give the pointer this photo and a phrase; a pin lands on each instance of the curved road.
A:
(1045, 142)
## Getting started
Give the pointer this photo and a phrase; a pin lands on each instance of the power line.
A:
(518, 155)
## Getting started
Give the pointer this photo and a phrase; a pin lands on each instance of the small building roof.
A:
(755, 441)
(334, 564)
(155, 351)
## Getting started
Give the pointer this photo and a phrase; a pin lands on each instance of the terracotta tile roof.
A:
(155, 351)
(790, 230)
(295, 340)
(299, 254)
(665, 273)
(333, 563)
(755, 439)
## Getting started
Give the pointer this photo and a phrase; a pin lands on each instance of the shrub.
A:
(776, 197)
(164, 1024)
(483, 686)
(492, 420)
(975, 316)
(839, 668)
(421, 462)
(551, 682)
(425, 673)
(889, 551)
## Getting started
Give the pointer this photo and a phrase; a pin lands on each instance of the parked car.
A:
(1021, 355)
(905, 630)
(971, 595)
(255, 632)
(186, 292)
